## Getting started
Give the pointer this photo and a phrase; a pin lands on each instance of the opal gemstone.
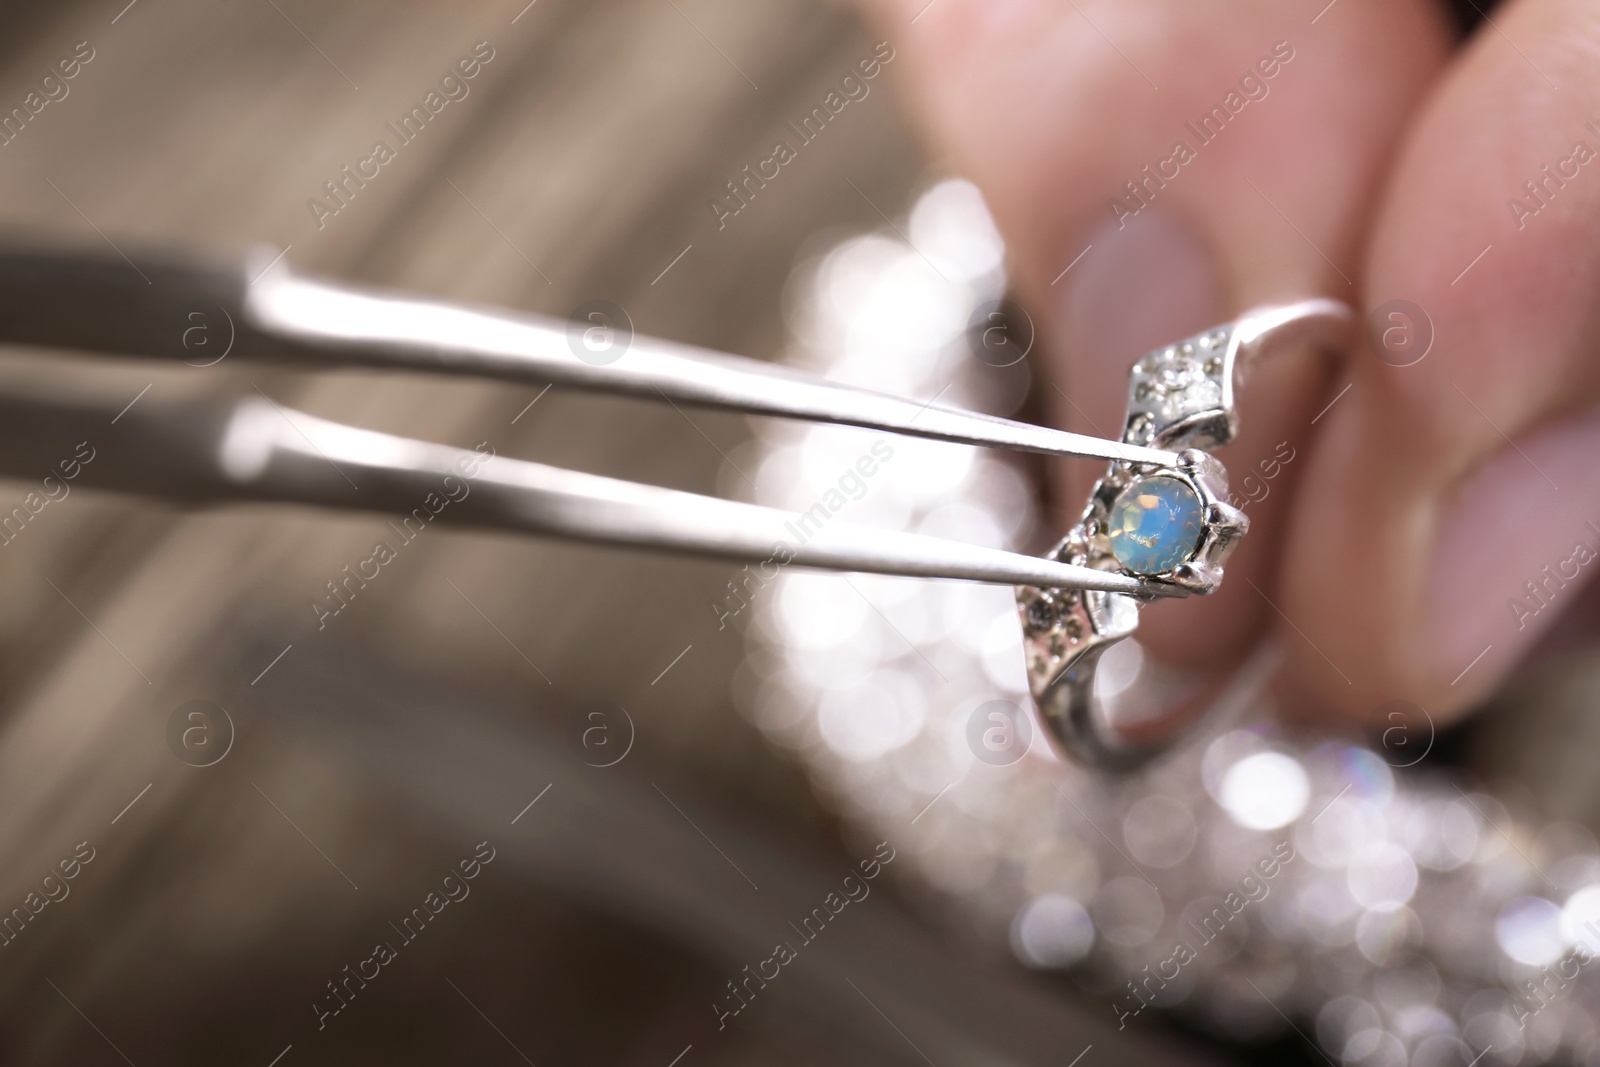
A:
(1155, 525)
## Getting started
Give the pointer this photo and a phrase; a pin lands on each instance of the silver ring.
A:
(1171, 526)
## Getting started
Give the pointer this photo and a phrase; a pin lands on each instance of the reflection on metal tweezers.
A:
(251, 450)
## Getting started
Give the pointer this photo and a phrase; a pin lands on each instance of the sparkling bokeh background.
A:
(1413, 908)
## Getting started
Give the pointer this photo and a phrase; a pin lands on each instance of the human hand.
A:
(1360, 155)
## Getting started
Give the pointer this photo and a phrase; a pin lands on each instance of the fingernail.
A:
(1126, 290)
(1138, 286)
(1512, 548)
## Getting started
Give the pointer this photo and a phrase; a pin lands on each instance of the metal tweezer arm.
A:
(252, 450)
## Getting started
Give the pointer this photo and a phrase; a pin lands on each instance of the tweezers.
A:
(249, 448)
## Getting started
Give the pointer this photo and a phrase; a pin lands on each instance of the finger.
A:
(1156, 168)
(1451, 512)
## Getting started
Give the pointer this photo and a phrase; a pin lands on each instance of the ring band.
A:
(1171, 526)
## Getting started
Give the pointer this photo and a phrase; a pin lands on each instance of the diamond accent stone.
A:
(1141, 429)
(1177, 384)
(1041, 614)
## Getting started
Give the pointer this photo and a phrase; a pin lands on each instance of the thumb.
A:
(1454, 510)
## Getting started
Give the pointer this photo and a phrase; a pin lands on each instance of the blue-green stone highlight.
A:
(1155, 525)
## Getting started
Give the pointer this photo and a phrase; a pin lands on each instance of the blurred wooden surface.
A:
(377, 751)
(592, 143)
